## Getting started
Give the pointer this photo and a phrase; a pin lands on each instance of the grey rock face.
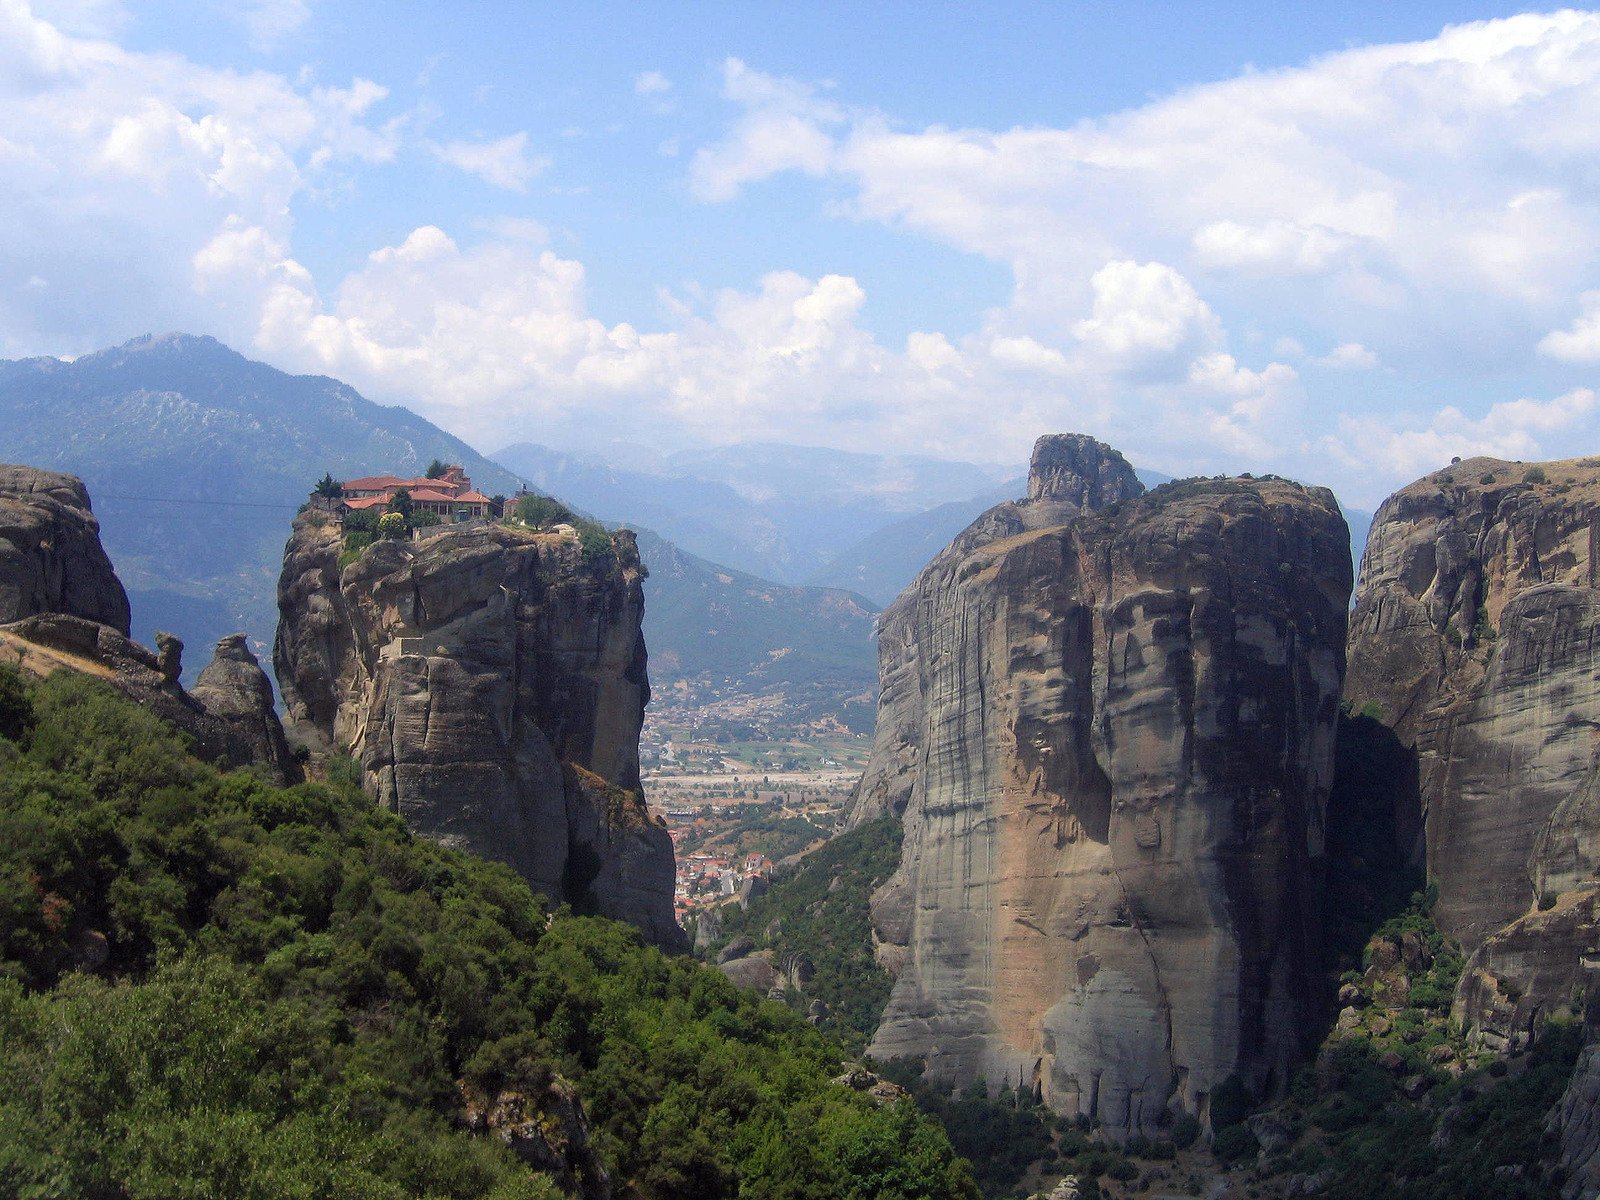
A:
(236, 691)
(1109, 736)
(51, 560)
(1075, 468)
(491, 683)
(1476, 632)
(243, 731)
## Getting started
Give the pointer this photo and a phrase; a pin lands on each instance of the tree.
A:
(401, 504)
(391, 525)
(497, 506)
(329, 486)
(436, 469)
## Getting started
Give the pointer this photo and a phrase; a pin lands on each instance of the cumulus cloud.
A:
(1580, 341)
(1145, 314)
(1420, 199)
(503, 162)
(1348, 356)
(1514, 429)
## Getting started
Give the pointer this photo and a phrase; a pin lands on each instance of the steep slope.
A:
(1107, 724)
(711, 625)
(197, 456)
(491, 684)
(1476, 638)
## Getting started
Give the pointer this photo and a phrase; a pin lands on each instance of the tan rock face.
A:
(51, 560)
(491, 683)
(1476, 633)
(1110, 738)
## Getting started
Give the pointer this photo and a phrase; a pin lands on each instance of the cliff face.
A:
(491, 683)
(51, 560)
(1109, 736)
(62, 607)
(1476, 633)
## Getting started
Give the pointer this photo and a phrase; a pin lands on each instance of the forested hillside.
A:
(210, 986)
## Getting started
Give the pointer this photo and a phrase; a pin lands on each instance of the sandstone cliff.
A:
(51, 560)
(63, 608)
(491, 684)
(1476, 634)
(1109, 735)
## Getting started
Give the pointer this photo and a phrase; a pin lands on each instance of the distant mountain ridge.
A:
(781, 512)
(196, 458)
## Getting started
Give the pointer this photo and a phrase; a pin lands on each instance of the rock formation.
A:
(51, 560)
(491, 684)
(1107, 724)
(62, 607)
(1575, 1121)
(1476, 635)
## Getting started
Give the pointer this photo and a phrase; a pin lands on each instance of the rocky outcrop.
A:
(51, 560)
(236, 691)
(1476, 637)
(491, 683)
(547, 1128)
(1109, 737)
(230, 726)
(1574, 1123)
(63, 608)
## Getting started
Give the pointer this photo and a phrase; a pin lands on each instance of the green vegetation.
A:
(329, 486)
(1534, 475)
(210, 986)
(819, 909)
(436, 469)
(392, 525)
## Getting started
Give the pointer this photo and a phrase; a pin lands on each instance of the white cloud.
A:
(651, 83)
(1511, 429)
(1420, 199)
(1145, 314)
(1580, 341)
(782, 130)
(1348, 356)
(504, 162)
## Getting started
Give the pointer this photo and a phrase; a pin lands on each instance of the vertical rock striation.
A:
(1476, 633)
(1107, 724)
(491, 684)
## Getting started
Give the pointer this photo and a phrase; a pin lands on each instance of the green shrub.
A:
(541, 511)
(1234, 1145)
(1185, 1131)
(1533, 475)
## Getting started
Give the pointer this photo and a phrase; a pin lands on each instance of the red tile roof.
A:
(430, 496)
(363, 502)
(373, 483)
(473, 497)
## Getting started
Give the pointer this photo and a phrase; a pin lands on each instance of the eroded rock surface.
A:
(1476, 634)
(491, 684)
(1109, 735)
(62, 607)
(51, 560)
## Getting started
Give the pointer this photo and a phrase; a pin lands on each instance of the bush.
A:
(1534, 475)
(1486, 478)
(16, 710)
(1234, 1145)
(391, 525)
(596, 545)
(540, 512)
(1185, 1131)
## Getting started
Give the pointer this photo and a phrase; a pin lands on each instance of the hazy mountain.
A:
(781, 512)
(710, 625)
(881, 564)
(196, 459)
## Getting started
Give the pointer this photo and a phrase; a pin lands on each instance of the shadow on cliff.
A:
(1373, 823)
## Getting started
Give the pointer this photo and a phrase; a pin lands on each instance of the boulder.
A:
(51, 560)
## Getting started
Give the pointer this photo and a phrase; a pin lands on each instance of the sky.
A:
(1342, 243)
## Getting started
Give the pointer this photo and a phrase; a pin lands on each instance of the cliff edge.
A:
(491, 684)
(1107, 723)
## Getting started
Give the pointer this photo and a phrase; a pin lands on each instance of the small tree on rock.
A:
(391, 525)
(436, 469)
(329, 486)
(401, 504)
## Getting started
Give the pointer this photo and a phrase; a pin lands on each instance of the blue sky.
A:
(1340, 243)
